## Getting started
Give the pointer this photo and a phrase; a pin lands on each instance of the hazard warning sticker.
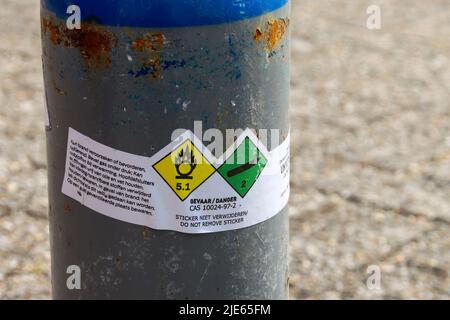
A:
(183, 187)
(244, 167)
(184, 169)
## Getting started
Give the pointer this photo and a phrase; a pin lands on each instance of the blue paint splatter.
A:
(152, 69)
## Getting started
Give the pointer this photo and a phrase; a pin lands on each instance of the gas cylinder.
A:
(168, 148)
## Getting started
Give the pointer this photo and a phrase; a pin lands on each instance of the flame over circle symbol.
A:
(185, 159)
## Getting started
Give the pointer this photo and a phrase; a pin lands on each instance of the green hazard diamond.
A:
(244, 167)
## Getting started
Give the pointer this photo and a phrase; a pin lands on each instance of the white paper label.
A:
(183, 187)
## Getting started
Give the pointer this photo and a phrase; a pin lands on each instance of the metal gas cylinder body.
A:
(136, 71)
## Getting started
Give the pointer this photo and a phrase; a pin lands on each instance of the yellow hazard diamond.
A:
(184, 169)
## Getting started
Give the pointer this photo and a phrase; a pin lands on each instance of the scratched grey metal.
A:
(226, 80)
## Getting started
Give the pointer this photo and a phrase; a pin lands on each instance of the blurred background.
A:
(371, 151)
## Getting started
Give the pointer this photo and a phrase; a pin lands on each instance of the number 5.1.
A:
(186, 187)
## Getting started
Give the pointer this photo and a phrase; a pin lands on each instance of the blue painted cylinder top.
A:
(166, 13)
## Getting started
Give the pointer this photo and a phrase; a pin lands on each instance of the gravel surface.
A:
(371, 151)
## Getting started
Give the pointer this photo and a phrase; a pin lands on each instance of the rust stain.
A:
(95, 43)
(150, 42)
(258, 34)
(274, 33)
(58, 90)
(156, 65)
(67, 208)
(146, 233)
(151, 45)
